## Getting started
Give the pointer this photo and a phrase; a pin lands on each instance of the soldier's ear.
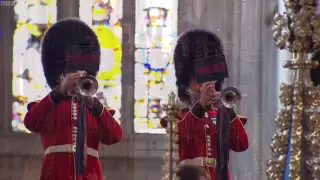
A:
(60, 78)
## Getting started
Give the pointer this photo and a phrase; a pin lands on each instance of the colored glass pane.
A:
(33, 18)
(105, 18)
(156, 32)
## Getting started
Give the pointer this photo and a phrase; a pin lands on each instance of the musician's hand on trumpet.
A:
(209, 96)
(79, 83)
(68, 84)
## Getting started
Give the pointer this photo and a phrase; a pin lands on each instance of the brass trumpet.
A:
(87, 85)
(230, 97)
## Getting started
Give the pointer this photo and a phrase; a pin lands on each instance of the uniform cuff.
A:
(56, 96)
(97, 108)
(197, 110)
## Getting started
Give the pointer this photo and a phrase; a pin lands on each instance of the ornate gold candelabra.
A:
(171, 157)
(20, 99)
(298, 127)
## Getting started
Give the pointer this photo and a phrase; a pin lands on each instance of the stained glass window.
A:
(33, 18)
(156, 33)
(105, 18)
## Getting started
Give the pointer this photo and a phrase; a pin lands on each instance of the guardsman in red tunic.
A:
(197, 124)
(55, 117)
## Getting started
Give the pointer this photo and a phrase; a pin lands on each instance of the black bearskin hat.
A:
(66, 33)
(190, 46)
(315, 73)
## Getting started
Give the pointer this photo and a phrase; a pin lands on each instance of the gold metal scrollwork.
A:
(171, 157)
(298, 31)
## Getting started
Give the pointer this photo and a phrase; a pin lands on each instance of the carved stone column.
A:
(269, 90)
(7, 26)
(127, 113)
(67, 8)
(246, 59)
(254, 57)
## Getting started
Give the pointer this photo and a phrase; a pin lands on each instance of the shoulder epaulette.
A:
(111, 111)
(31, 104)
(243, 119)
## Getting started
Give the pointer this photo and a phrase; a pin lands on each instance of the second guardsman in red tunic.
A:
(55, 117)
(197, 124)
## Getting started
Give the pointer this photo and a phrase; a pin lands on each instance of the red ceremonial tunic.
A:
(197, 137)
(52, 119)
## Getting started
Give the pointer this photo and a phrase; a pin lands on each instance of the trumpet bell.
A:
(230, 97)
(87, 85)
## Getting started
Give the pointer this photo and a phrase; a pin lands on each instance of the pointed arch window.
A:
(156, 32)
(33, 18)
(155, 36)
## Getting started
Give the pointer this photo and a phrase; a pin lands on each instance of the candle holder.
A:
(171, 157)
(296, 143)
(20, 99)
